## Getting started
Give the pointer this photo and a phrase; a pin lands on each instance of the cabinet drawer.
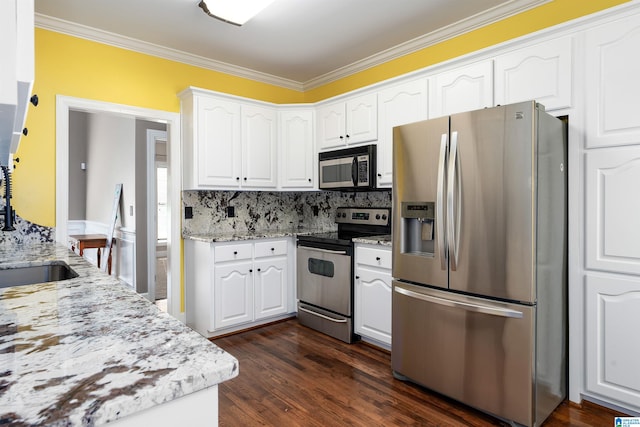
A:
(374, 257)
(232, 252)
(264, 249)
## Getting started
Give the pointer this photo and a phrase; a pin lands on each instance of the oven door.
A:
(324, 278)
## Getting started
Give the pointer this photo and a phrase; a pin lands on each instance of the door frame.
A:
(175, 294)
(153, 135)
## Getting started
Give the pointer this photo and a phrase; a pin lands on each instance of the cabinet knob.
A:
(379, 175)
(347, 136)
(235, 252)
(25, 131)
(245, 178)
(258, 269)
(250, 270)
(309, 179)
(237, 178)
(357, 277)
(273, 249)
(341, 137)
(377, 258)
(34, 100)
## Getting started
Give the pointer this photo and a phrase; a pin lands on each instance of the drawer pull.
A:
(235, 252)
(377, 258)
(273, 249)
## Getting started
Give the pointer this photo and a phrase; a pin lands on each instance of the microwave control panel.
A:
(363, 170)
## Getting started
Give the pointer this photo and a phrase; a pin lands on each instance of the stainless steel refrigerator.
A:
(479, 259)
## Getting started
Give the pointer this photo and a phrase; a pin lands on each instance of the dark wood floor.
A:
(293, 376)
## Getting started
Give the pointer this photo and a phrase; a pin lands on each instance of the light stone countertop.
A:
(384, 240)
(252, 234)
(90, 350)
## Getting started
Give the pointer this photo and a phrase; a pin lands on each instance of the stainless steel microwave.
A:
(348, 169)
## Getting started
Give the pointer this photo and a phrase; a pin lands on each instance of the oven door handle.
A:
(326, 251)
(323, 316)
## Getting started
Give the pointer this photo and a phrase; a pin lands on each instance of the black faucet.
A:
(8, 213)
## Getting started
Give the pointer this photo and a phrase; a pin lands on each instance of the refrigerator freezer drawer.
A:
(477, 351)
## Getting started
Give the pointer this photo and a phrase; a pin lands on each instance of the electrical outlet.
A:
(231, 212)
(188, 212)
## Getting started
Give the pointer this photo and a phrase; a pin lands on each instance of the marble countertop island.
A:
(89, 350)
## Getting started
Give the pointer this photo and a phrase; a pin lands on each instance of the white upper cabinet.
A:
(465, 88)
(612, 209)
(259, 146)
(397, 105)
(16, 72)
(297, 151)
(541, 72)
(218, 148)
(228, 144)
(613, 67)
(351, 122)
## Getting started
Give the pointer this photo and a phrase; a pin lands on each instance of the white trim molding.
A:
(63, 105)
(497, 13)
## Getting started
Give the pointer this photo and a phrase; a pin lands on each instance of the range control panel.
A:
(368, 216)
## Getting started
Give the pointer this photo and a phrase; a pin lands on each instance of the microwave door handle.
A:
(354, 171)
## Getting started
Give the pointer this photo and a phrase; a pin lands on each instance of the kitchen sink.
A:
(52, 272)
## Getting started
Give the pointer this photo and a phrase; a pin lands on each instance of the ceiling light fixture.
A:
(235, 12)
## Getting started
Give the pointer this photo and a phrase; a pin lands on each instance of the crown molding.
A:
(117, 40)
(497, 13)
(474, 22)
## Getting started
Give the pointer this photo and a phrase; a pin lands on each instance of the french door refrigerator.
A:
(479, 259)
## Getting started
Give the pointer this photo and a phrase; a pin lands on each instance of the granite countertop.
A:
(384, 240)
(90, 350)
(252, 234)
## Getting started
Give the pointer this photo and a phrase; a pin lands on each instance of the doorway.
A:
(172, 120)
(157, 231)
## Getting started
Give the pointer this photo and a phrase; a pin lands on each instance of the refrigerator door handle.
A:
(453, 186)
(477, 308)
(440, 202)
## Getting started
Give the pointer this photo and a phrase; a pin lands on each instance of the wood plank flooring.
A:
(291, 375)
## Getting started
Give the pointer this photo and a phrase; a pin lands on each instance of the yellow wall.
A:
(76, 67)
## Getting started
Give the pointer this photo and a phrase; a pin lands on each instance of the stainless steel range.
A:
(325, 270)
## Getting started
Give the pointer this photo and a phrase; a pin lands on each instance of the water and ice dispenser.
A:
(418, 228)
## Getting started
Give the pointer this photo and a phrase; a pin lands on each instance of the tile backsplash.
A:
(263, 210)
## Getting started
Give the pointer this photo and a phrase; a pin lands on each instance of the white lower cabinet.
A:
(270, 287)
(612, 347)
(372, 309)
(232, 294)
(232, 286)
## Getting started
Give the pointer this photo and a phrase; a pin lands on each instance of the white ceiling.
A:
(292, 43)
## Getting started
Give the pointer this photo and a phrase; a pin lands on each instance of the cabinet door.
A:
(270, 287)
(541, 72)
(462, 89)
(297, 155)
(258, 147)
(373, 303)
(232, 294)
(331, 126)
(612, 348)
(612, 70)
(613, 203)
(398, 105)
(362, 119)
(217, 142)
